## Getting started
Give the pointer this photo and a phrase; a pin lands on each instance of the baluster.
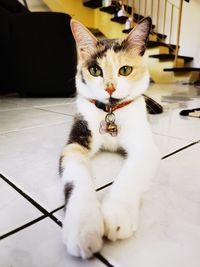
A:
(158, 11)
(178, 32)
(138, 9)
(152, 9)
(164, 17)
(145, 8)
(132, 12)
(171, 23)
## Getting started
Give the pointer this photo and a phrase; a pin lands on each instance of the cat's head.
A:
(111, 70)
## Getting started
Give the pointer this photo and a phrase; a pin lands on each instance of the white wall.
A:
(190, 34)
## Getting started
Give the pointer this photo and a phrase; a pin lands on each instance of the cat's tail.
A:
(153, 107)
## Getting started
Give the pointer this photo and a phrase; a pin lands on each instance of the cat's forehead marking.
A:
(103, 47)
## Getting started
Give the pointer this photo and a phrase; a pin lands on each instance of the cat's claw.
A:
(83, 233)
(120, 218)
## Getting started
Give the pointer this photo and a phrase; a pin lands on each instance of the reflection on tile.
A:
(33, 102)
(30, 159)
(167, 145)
(14, 209)
(172, 124)
(14, 120)
(39, 245)
(67, 109)
(169, 232)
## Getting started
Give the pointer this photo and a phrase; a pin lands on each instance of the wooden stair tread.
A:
(171, 57)
(160, 35)
(97, 33)
(93, 3)
(153, 44)
(120, 20)
(109, 9)
(129, 30)
(183, 69)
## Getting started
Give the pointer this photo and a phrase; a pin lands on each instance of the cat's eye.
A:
(125, 70)
(95, 71)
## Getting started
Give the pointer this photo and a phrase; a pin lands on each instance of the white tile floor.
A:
(32, 134)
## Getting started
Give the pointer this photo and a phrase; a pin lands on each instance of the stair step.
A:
(93, 3)
(127, 31)
(160, 35)
(97, 33)
(153, 44)
(171, 57)
(186, 69)
(109, 9)
(120, 20)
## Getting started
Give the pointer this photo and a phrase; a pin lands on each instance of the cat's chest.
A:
(116, 130)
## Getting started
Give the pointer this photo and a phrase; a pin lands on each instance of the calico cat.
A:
(111, 79)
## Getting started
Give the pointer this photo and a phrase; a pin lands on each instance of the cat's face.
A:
(111, 70)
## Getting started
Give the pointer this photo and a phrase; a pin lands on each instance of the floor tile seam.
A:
(30, 199)
(109, 184)
(55, 112)
(98, 256)
(33, 127)
(24, 226)
(54, 105)
(180, 149)
(175, 137)
(14, 109)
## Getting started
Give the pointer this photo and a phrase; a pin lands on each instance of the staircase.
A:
(162, 57)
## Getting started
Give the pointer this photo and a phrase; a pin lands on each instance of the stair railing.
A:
(163, 13)
(178, 32)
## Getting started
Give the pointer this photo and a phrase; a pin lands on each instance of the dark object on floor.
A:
(195, 112)
(153, 107)
(38, 52)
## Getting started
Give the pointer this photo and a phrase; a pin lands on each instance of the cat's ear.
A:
(138, 37)
(86, 42)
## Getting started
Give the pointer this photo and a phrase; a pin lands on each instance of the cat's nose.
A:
(110, 88)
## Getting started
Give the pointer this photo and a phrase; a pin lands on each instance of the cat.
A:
(111, 79)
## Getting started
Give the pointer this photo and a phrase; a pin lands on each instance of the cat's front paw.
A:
(83, 229)
(120, 218)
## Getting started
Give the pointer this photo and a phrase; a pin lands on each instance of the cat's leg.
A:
(83, 226)
(121, 206)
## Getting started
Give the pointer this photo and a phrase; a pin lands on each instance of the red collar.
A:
(109, 107)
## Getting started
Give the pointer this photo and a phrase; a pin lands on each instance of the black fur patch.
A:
(103, 46)
(80, 133)
(68, 191)
(82, 77)
(60, 169)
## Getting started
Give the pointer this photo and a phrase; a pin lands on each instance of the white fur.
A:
(83, 223)
(86, 220)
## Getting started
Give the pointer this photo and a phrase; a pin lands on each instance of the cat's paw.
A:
(120, 218)
(83, 230)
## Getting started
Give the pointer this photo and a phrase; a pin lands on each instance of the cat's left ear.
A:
(85, 40)
(138, 37)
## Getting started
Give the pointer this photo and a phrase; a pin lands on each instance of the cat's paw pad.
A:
(120, 219)
(82, 233)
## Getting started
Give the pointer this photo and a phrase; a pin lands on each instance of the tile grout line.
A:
(58, 222)
(56, 112)
(180, 149)
(46, 214)
(24, 226)
(31, 200)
